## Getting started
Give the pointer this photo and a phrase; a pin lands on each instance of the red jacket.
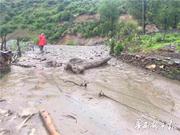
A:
(42, 40)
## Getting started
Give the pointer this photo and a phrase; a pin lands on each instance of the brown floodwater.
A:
(135, 102)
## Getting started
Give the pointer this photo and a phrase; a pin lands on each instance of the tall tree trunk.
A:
(18, 47)
(2, 43)
(165, 27)
(175, 22)
(144, 15)
(5, 43)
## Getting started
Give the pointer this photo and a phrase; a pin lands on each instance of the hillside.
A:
(52, 17)
(84, 20)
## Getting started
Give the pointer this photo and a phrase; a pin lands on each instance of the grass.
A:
(149, 43)
(71, 42)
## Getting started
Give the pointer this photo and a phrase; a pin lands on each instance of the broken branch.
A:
(84, 84)
(25, 121)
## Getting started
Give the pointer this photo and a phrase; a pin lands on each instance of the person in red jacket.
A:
(42, 41)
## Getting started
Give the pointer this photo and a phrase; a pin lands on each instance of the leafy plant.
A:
(118, 48)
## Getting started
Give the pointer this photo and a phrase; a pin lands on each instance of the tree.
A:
(155, 11)
(109, 12)
(135, 8)
(144, 15)
(4, 31)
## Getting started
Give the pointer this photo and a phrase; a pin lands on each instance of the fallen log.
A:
(23, 65)
(48, 123)
(77, 65)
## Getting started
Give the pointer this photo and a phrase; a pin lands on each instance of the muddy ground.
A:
(135, 101)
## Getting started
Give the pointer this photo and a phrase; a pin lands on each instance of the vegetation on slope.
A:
(53, 17)
(56, 18)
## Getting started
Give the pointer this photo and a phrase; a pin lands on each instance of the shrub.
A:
(129, 28)
(66, 16)
(118, 48)
(111, 43)
(157, 38)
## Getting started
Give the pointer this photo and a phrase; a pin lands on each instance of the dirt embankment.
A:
(87, 18)
(71, 39)
(166, 66)
(78, 39)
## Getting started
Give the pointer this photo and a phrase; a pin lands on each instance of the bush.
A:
(118, 48)
(158, 38)
(65, 16)
(129, 29)
(111, 43)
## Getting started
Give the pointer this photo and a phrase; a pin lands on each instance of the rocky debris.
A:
(167, 66)
(5, 113)
(77, 65)
(168, 48)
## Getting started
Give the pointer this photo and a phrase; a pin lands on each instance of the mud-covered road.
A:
(136, 102)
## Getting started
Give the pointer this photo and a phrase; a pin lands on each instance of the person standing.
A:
(42, 41)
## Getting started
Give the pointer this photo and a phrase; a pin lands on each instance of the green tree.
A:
(109, 12)
(4, 31)
(158, 12)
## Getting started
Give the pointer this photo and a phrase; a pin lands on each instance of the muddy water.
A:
(136, 102)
